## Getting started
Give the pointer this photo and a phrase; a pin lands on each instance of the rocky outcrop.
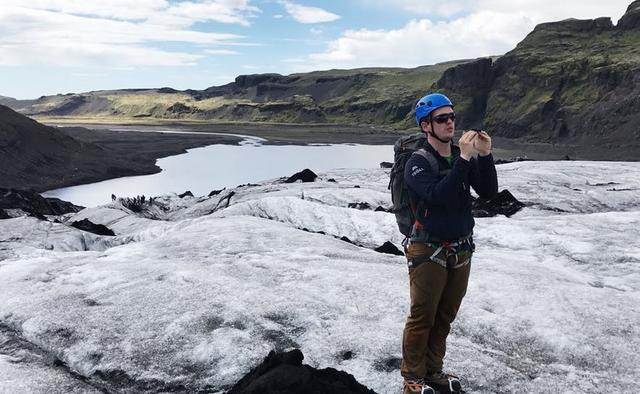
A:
(362, 205)
(284, 373)
(557, 85)
(34, 203)
(89, 226)
(179, 108)
(631, 19)
(469, 85)
(504, 203)
(253, 80)
(215, 192)
(305, 175)
(389, 248)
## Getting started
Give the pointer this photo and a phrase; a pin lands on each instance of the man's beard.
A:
(434, 135)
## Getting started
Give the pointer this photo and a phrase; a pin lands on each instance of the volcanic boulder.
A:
(305, 175)
(87, 225)
(284, 373)
(504, 203)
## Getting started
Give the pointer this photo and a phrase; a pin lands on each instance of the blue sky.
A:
(61, 46)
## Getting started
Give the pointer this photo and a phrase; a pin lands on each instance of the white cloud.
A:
(225, 11)
(542, 10)
(306, 14)
(423, 42)
(429, 7)
(221, 52)
(75, 33)
(278, 16)
(184, 12)
(116, 9)
(493, 31)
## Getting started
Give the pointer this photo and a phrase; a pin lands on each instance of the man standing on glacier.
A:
(438, 178)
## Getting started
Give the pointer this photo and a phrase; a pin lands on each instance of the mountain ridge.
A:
(560, 84)
(34, 155)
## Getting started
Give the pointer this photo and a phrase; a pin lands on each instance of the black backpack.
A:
(403, 149)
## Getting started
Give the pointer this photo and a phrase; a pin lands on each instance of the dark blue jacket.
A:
(444, 201)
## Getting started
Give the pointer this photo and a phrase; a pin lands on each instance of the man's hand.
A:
(482, 143)
(466, 142)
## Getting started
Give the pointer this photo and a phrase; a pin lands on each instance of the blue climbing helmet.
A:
(430, 103)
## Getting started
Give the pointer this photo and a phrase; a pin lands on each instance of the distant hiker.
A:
(438, 178)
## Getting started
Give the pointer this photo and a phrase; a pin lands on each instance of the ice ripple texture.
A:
(191, 296)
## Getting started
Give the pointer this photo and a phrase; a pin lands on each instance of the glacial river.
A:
(202, 170)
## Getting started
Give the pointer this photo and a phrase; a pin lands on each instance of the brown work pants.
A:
(436, 295)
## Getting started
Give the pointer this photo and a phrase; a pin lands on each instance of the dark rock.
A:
(34, 203)
(345, 239)
(512, 160)
(87, 225)
(388, 364)
(504, 203)
(179, 108)
(248, 185)
(119, 381)
(247, 81)
(331, 180)
(90, 302)
(280, 340)
(386, 164)
(284, 373)
(61, 206)
(348, 355)
(389, 248)
(38, 215)
(226, 198)
(356, 187)
(216, 192)
(305, 175)
(631, 18)
(167, 90)
(4, 215)
(359, 205)
(469, 86)
(573, 25)
(186, 194)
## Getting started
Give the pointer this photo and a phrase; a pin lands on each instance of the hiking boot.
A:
(417, 386)
(443, 382)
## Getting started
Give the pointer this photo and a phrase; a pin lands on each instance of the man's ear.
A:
(425, 126)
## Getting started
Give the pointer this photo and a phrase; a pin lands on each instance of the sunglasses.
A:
(444, 118)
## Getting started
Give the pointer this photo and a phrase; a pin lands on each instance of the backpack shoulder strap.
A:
(431, 159)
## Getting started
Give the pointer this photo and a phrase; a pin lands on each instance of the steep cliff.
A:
(569, 81)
